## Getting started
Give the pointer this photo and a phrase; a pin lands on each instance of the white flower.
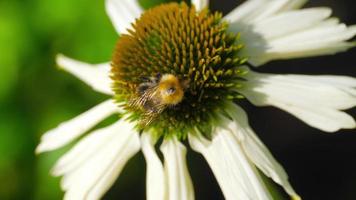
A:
(234, 152)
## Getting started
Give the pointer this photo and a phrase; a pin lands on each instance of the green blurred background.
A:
(35, 96)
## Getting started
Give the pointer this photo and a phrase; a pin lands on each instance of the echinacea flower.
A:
(178, 73)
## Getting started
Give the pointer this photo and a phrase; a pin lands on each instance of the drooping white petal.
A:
(200, 4)
(96, 76)
(256, 150)
(155, 180)
(92, 166)
(316, 100)
(268, 35)
(72, 129)
(86, 148)
(236, 175)
(127, 151)
(178, 182)
(122, 13)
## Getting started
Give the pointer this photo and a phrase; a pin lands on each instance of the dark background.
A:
(35, 96)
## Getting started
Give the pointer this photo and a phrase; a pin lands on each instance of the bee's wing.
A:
(150, 115)
(151, 103)
(142, 99)
(153, 110)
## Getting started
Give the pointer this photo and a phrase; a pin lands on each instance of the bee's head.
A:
(170, 89)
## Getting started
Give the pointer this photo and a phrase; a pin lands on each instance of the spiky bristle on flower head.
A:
(193, 46)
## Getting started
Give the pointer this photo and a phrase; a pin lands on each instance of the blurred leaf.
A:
(12, 146)
(48, 187)
(14, 40)
(16, 160)
(12, 142)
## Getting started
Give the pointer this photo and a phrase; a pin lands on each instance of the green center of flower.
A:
(175, 70)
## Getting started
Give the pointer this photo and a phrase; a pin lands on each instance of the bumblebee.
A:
(157, 93)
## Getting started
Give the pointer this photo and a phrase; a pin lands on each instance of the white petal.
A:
(200, 4)
(331, 33)
(96, 76)
(243, 11)
(256, 150)
(155, 185)
(98, 160)
(86, 148)
(292, 5)
(236, 175)
(178, 181)
(316, 41)
(122, 13)
(72, 129)
(268, 35)
(316, 100)
(279, 25)
(255, 10)
(303, 51)
(271, 8)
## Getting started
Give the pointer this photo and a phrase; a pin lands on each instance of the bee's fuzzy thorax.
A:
(190, 61)
(170, 89)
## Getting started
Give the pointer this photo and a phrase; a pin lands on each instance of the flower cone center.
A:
(191, 47)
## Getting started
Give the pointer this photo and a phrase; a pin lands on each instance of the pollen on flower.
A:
(195, 48)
